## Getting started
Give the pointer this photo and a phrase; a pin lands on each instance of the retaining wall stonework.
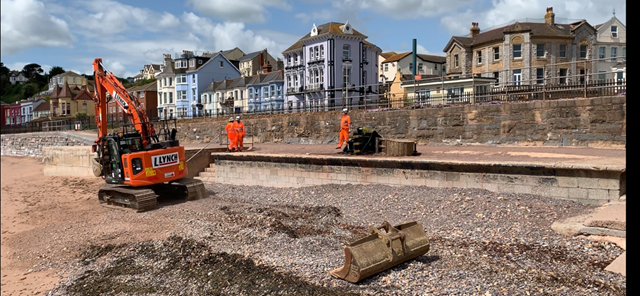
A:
(582, 185)
(593, 122)
(31, 144)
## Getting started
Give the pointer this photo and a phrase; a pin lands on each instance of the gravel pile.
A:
(252, 240)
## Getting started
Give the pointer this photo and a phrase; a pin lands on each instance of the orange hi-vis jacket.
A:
(345, 122)
(230, 131)
(240, 128)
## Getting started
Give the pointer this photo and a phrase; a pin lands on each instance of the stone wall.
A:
(594, 122)
(584, 185)
(31, 144)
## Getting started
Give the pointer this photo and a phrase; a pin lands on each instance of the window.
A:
(321, 76)
(181, 79)
(381, 67)
(583, 51)
(455, 58)
(435, 66)
(540, 50)
(192, 63)
(496, 75)
(563, 51)
(199, 62)
(321, 51)
(517, 77)
(364, 78)
(235, 95)
(539, 76)
(386, 67)
(614, 53)
(420, 67)
(563, 76)
(288, 81)
(601, 75)
(601, 52)
(496, 53)
(517, 51)
(410, 66)
(614, 31)
(346, 52)
(141, 94)
(290, 60)
(479, 56)
(221, 64)
(311, 54)
(364, 54)
(182, 94)
(315, 73)
(317, 53)
(170, 98)
(170, 81)
(624, 54)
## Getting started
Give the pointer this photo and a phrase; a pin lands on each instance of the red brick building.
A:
(146, 94)
(15, 114)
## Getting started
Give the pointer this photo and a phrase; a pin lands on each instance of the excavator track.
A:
(146, 198)
(128, 198)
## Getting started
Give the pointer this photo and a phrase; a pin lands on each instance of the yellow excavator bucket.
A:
(380, 250)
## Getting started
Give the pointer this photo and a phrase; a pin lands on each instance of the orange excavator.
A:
(137, 165)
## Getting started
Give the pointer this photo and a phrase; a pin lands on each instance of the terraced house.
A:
(612, 49)
(525, 52)
(331, 67)
(266, 93)
(166, 89)
(428, 65)
(251, 64)
(193, 74)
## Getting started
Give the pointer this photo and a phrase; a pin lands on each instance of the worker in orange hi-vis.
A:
(241, 132)
(232, 135)
(345, 124)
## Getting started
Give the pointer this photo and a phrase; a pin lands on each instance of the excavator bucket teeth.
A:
(381, 250)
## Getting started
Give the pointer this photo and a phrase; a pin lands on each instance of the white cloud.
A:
(406, 9)
(250, 11)
(317, 17)
(227, 35)
(504, 11)
(93, 20)
(27, 23)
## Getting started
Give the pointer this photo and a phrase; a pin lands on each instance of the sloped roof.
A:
(536, 29)
(212, 86)
(44, 106)
(432, 58)
(250, 56)
(66, 92)
(324, 29)
(84, 95)
(240, 82)
(151, 86)
(156, 67)
(273, 76)
(386, 55)
(55, 92)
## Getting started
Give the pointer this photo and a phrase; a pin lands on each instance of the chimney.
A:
(266, 68)
(550, 17)
(475, 30)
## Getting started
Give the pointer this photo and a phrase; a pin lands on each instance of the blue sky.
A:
(128, 34)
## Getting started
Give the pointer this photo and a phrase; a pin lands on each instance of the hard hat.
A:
(238, 117)
(345, 110)
(230, 118)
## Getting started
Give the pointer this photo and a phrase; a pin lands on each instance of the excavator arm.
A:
(109, 87)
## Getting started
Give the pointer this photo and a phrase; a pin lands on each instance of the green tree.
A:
(30, 89)
(32, 70)
(4, 70)
(55, 70)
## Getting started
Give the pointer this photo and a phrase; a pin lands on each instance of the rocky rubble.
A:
(252, 240)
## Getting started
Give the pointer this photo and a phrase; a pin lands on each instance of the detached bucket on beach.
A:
(381, 250)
